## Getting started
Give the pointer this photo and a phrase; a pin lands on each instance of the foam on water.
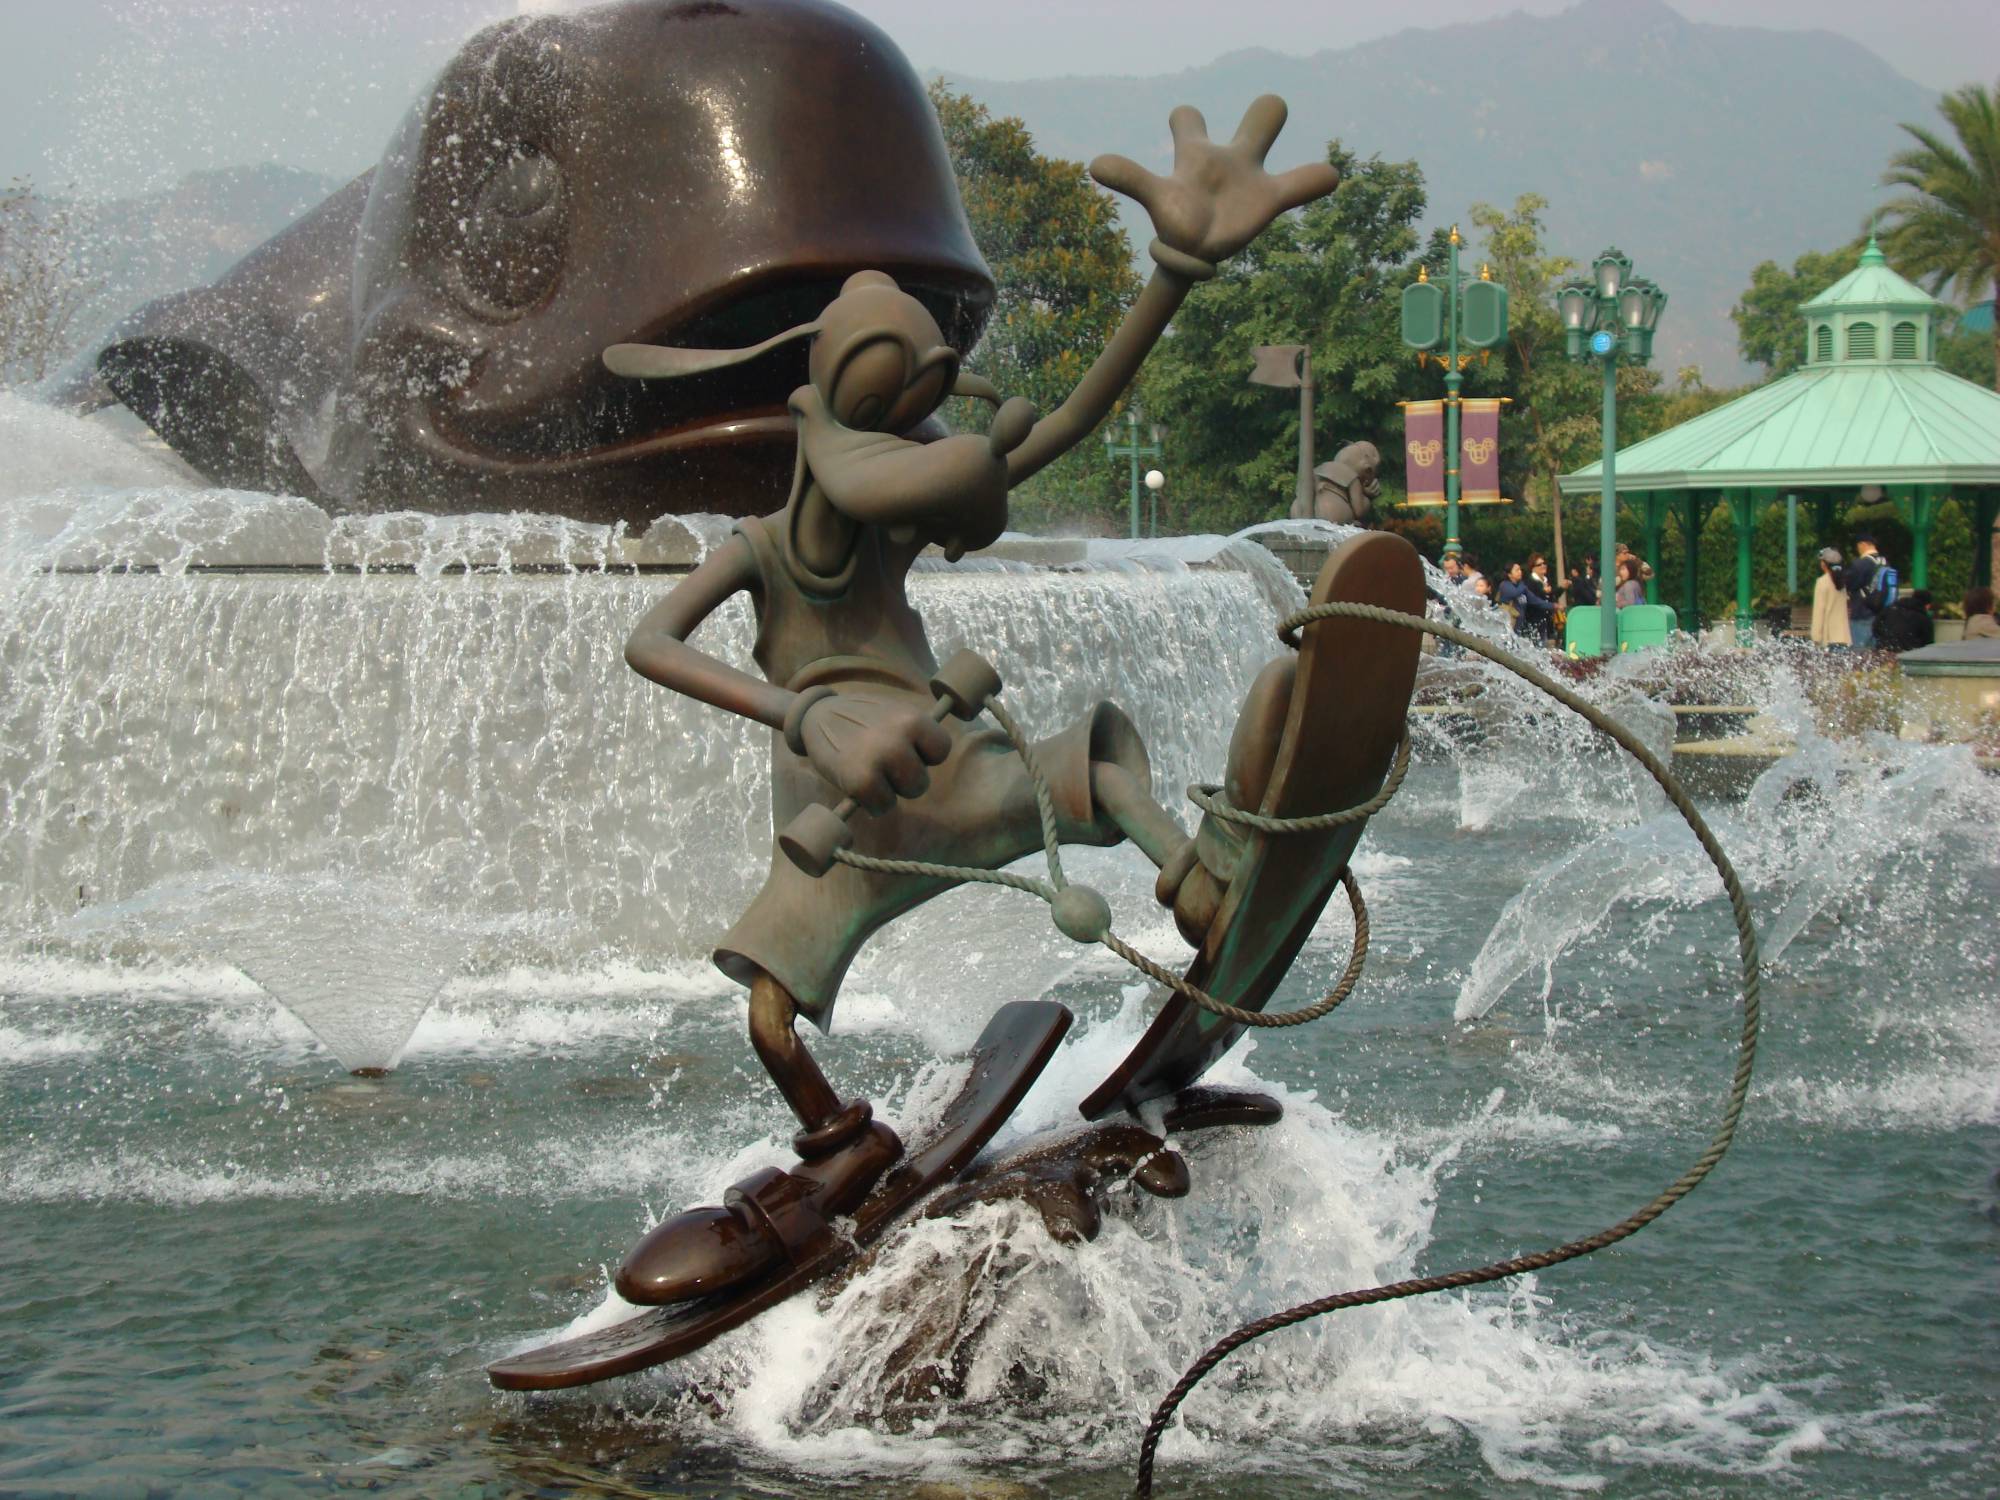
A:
(19, 1046)
(1046, 1350)
(437, 810)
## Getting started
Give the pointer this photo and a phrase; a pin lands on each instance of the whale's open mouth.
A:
(617, 418)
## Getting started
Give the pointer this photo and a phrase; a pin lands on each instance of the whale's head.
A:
(690, 172)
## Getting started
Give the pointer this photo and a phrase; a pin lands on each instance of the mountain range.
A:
(1698, 149)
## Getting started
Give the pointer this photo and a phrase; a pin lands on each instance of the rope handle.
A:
(1719, 1143)
(1083, 914)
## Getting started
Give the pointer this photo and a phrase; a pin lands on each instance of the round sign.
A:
(1601, 342)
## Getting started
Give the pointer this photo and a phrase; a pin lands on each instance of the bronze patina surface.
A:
(863, 721)
(1344, 711)
(849, 679)
(699, 172)
(1346, 487)
(1010, 1054)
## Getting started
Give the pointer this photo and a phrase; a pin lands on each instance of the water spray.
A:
(1082, 915)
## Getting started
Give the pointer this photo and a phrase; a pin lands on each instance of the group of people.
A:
(1858, 606)
(1534, 602)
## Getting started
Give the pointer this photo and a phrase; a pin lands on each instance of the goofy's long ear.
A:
(663, 362)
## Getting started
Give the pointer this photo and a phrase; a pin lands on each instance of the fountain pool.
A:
(439, 798)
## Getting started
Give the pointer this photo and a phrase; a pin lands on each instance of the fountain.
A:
(420, 715)
(431, 736)
(277, 782)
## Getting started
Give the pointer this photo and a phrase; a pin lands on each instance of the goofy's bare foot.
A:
(773, 1217)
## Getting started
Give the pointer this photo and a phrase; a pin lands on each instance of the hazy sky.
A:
(118, 95)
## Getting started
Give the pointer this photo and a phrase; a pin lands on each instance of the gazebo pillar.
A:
(1985, 510)
(1653, 507)
(1919, 510)
(1695, 508)
(1743, 516)
(1823, 517)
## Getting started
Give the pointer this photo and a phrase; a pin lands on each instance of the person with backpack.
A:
(1871, 588)
(1513, 598)
(1906, 625)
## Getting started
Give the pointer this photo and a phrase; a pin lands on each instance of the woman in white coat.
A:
(1829, 617)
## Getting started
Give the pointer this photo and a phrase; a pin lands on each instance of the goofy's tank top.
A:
(856, 631)
(853, 626)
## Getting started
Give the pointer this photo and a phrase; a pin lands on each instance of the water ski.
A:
(1010, 1054)
(1342, 721)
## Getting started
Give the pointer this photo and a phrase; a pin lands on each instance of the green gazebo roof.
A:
(1872, 284)
(1881, 412)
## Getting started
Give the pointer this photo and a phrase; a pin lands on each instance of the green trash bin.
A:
(1641, 627)
(1580, 631)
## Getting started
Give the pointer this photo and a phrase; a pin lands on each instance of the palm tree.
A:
(1947, 228)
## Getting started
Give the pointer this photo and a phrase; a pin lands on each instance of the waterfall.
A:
(451, 759)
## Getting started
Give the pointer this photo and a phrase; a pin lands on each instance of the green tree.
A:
(1554, 422)
(1552, 410)
(1947, 226)
(1063, 268)
(1328, 276)
(1666, 407)
(1770, 330)
(1969, 354)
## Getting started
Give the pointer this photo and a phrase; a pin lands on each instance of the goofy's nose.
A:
(1011, 425)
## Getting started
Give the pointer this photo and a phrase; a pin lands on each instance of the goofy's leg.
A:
(1195, 872)
(828, 1124)
(772, 1217)
(1130, 805)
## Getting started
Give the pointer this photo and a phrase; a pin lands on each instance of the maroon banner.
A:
(1479, 450)
(1423, 450)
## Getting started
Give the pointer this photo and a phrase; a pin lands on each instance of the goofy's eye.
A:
(511, 250)
(869, 383)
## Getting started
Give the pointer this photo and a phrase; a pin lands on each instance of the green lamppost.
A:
(1610, 319)
(1473, 311)
(1135, 450)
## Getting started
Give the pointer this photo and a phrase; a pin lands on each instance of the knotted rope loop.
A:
(1210, 799)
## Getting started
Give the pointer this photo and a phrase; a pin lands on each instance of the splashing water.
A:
(430, 813)
(353, 957)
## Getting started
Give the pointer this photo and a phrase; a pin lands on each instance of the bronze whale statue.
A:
(700, 172)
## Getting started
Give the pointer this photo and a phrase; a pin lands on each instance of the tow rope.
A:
(1082, 914)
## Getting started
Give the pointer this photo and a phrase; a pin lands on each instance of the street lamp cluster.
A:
(1616, 304)
(1135, 447)
(1610, 319)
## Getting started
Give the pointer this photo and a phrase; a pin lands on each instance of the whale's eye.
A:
(511, 248)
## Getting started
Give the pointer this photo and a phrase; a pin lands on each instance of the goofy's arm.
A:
(1105, 381)
(658, 647)
(1217, 200)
